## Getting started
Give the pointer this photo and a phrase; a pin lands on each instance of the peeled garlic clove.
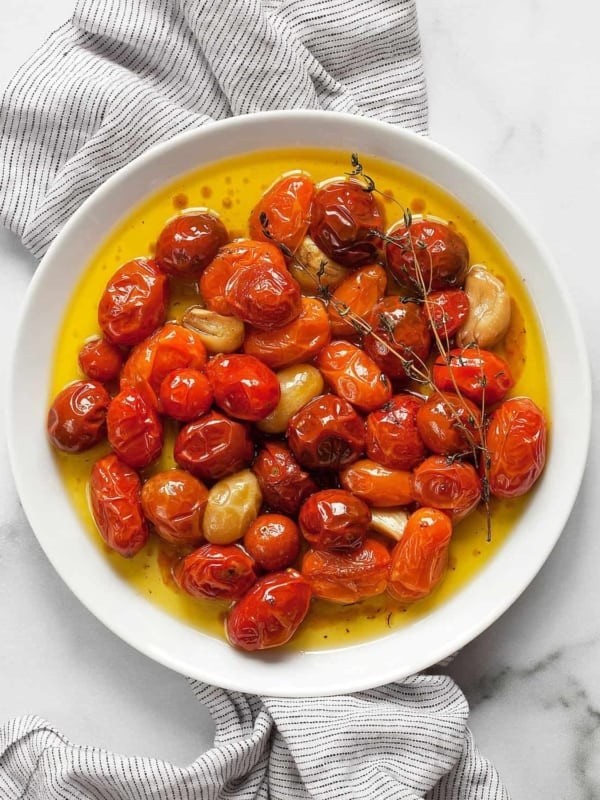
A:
(389, 521)
(299, 384)
(233, 504)
(489, 309)
(219, 334)
(312, 268)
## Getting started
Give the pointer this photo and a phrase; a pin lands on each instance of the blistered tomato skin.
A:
(185, 394)
(222, 572)
(351, 374)
(213, 446)
(393, 438)
(282, 215)
(174, 502)
(264, 296)
(448, 309)
(334, 519)
(116, 507)
(400, 337)
(134, 302)
(77, 416)
(449, 424)
(134, 429)
(327, 433)
(273, 541)
(189, 242)
(243, 386)
(516, 447)
(449, 485)
(283, 482)
(344, 219)
(347, 577)
(270, 613)
(377, 485)
(482, 376)
(359, 292)
(101, 360)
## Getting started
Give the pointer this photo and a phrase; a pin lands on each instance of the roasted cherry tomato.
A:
(354, 376)
(243, 386)
(448, 310)
(327, 433)
(401, 338)
(392, 435)
(222, 572)
(441, 254)
(185, 394)
(77, 416)
(478, 374)
(189, 242)
(283, 482)
(449, 424)
(345, 222)
(134, 302)
(174, 502)
(263, 296)
(213, 446)
(347, 577)
(357, 294)
(116, 507)
(282, 214)
(298, 341)
(449, 485)
(101, 360)
(516, 447)
(134, 429)
(273, 541)
(270, 613)
(420, 558)
(334, 519)
(377, 485)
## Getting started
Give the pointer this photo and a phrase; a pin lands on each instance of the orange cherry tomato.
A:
(349, 371)
(134, 429)
(273, 541)
(134, 302)
(294, 343)
(213, 446)
(449, 485)
(185, 394)
(441, 254)
(449, 309)
(264, 296)
(174, 502)
(420, 558)
(222, 572)
(101, 360)
(77, 416)
(189, 242)
(282, 214)
(516, 447)
(345, 221)
(393, 438)
(377, 485)
(334, 519)
(449, 424)
(243, 386)
(326, 433)
(347, 577)
(283, 482)
(401, 337)
(480, 375)
(116, 507)
(359, 292)
(270, 613)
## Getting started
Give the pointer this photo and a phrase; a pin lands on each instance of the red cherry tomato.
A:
(448, 309)
(392, 435)
(77, 416)
(478, 374)
(134, 429)
(116, 508)
(243, 386)
(516, 447)
(282, 215)
(334, 519)
(273, 541)
(441, 254)
(185, 394)
(326, 433)
(420, 558)
(344, 219)
(101, 360)
(189, 242)
(400, 338)
(449, 485)
(134, 302)
(222, 572)
(377, 485)
(174, 502)
(348, 577)
(213, 446)
(264, 296)
(349, 371)
(283, 482)
(359, 292)
(449, 424)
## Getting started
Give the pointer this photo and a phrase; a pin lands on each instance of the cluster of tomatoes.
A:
(292, 385)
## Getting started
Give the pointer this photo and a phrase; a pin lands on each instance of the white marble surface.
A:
(514, 89)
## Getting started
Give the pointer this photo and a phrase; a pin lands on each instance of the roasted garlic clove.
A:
(233, 504)
(312, 268)
(219, 334)
(389, 521)
(489, 309)
(299, 384)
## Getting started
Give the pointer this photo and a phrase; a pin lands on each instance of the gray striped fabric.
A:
(120, 76)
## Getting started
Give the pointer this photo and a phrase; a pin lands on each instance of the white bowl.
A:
(170, 641)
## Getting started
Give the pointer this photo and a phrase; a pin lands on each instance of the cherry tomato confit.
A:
(335, 397)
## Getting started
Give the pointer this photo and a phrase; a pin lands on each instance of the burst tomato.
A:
(243, 386)
(189, 242)
(401, 338)
(480, 375)
(393, 438)
(283, 482)
(264, 296)
(134, 429)
(377, 485)
(448, 310)
(77, 416)
(213, 446)
(359, 292)
(334, 519)
(185, 394)
(282, 215)
(348, 577)
(174, 502)
(449, 485)
(101, 360)
(449, 424)
(354, 376)
(273, 541)
(222, 572)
